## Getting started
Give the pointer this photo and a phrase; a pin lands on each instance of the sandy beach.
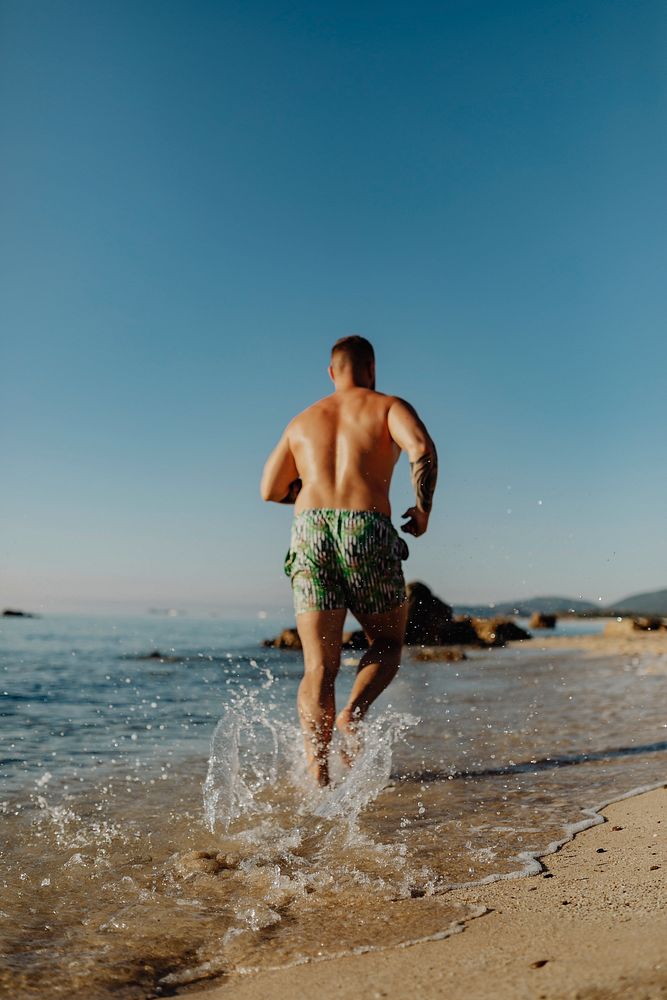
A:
(592, 925)
(617, 640)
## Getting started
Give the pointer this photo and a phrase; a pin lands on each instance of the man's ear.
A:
(331, 373)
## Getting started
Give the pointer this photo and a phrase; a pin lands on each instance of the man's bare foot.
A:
(319, 772)
(316, 765)
(347, 725)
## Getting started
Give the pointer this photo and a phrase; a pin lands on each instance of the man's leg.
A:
(321, 637)
(377, 667)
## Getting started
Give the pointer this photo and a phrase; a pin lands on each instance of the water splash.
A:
(243, 761)
(254, 752)
(370, 774)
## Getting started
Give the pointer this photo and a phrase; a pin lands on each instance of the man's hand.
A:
(417, 522)
(292, 492)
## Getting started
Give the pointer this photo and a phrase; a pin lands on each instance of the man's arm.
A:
(411, 436)
(280, 479)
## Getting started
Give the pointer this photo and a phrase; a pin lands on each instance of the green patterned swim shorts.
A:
(345, 559)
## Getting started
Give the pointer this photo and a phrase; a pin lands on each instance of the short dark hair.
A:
(357, 350)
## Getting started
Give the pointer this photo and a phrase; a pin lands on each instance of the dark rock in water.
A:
(155, 654)
(14, 613)
(288, 639)
(427, 617)
(628, 626)
(648, 624)
(438, 654)
(541, 620)
(511, 632)
(459, 632)
(498, 631)
(430, 623)
(355, 640)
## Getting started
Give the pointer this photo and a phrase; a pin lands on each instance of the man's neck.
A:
(347, 384)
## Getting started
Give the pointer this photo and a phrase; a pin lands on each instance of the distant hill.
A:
(652, 603)
(526, 606)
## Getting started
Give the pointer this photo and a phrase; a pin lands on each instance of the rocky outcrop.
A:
(540, 620)
(439, 654)
(15, 613)
(430, 623)
(288, 639)
(630, 626)
(427, 617)
(498, 631)
(155, 654)
(642, 624)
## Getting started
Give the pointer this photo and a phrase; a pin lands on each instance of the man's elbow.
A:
(423, 449)
(266, 493)
(265, 488)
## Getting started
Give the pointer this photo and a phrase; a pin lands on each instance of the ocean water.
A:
(158, 828)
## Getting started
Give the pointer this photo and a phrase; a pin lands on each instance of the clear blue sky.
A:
(199, 198)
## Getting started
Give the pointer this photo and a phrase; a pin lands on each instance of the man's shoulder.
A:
(400, 402)
(325, 403)
(304, 416)
(330, 404)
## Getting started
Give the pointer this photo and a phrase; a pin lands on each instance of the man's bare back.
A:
(340, 453)
(334, 462)
(344, 452)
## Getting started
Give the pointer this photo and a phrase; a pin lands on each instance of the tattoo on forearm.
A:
(292, 492)
(424, 474)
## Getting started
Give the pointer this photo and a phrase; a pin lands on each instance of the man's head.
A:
(353, 363)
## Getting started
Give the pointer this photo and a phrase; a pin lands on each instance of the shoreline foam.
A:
(585, 957)
(591, 924)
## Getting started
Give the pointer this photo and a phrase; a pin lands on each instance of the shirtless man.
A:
(334, 462)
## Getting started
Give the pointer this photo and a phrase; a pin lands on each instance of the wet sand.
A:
(591, 926)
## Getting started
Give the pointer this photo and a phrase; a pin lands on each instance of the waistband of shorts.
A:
(310, 511)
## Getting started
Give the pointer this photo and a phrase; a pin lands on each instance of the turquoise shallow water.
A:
(78, 698)
(158, 828)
